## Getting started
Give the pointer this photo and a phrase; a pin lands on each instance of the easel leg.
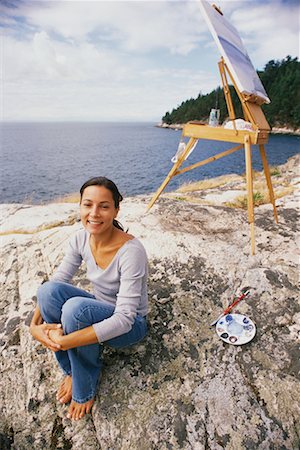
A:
(172, 173)
(249, 177)
(268, 179)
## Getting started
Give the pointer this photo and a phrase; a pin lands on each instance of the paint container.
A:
(235, 329)
(214, 117)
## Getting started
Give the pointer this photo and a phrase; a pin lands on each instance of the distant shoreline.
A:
(274, 130)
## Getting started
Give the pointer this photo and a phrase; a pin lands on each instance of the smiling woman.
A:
(107, 204)
(74, 323)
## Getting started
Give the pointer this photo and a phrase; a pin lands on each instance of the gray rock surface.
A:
(182, 387)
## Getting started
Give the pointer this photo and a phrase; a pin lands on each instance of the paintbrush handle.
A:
(229, 308)
(226, 311)
(235, 303)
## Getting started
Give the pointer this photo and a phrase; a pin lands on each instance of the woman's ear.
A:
(117, 212)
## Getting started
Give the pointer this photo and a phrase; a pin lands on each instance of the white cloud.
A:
(133, 25)
(95, 60)
(270, 31)
(139, 95)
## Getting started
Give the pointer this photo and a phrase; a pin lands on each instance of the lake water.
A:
(43, 161)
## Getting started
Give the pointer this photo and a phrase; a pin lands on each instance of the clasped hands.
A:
(48, 334)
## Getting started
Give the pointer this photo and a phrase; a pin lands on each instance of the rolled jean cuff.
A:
(86, 399)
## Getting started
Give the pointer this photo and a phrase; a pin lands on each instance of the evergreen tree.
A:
(281, 80)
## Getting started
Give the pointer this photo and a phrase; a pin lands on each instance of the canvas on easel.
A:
(235, 64)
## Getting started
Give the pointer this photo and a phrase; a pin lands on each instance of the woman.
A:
(72, 322)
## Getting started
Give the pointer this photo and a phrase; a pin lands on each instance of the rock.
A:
(16, 217)
(285, 130)
(182, 387)
(172, 126)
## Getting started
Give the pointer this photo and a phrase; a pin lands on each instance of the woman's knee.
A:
(48, 296)
(45, 291)
(70, 311)
(48, 289)
(79, 312)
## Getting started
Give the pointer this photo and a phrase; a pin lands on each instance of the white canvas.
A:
(234, 53)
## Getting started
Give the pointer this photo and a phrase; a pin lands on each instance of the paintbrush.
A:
(229, 308)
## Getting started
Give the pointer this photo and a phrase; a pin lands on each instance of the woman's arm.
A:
(51, 334)
(71, 260)
(133, 270)
(78, 338)
(64, 273)
(40, 331)
(133, 273)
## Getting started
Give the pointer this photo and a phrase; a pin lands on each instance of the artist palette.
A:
(235, 329)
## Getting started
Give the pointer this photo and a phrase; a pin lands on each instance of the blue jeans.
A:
(76, 309)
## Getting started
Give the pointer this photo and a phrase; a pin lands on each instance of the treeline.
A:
(281, 80)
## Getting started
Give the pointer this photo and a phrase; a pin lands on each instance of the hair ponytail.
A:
(118, 225)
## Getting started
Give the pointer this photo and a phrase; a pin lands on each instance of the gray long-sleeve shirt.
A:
(122, 284)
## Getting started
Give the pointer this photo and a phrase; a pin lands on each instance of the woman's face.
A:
(97, 209)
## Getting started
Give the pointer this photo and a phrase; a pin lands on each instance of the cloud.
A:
(131, 25)
(270, 30)
(126, 93)
(95, 60)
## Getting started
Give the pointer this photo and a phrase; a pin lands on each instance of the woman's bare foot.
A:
(64, 393)
(78, 410)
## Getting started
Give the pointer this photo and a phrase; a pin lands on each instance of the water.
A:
(43, 161)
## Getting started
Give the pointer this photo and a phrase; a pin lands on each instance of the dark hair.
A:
(110, 185)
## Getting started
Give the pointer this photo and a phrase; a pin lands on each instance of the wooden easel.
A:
(195, 131)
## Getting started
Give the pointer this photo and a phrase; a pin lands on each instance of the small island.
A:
(281, 80)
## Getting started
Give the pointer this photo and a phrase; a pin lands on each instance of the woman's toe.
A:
(89, 407)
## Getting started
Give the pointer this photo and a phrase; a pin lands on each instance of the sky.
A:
(69, 60)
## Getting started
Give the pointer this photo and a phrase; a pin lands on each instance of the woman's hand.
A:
(41, 334)
(85, 336)
(55, 336)
(51, 335)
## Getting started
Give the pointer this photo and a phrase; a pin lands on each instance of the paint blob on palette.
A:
(235, 329)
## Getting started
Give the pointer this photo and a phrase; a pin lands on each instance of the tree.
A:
(281, 80)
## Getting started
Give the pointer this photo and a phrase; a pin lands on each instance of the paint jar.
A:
(214, 117)
(180, 150)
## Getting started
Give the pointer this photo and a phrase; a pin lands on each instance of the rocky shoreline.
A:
(183, 387)
(274, 130)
